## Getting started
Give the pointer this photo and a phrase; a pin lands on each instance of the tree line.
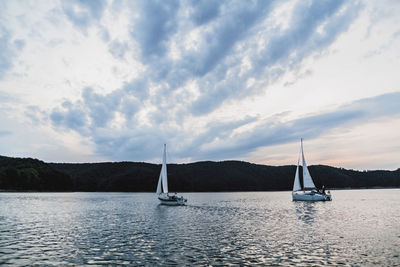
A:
(26, 174)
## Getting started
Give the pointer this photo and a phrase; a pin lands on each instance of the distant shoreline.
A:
(33, 175)
(148, 192)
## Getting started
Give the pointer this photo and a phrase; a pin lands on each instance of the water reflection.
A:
(305, 211)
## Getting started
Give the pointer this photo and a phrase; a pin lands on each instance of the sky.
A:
(93, 81)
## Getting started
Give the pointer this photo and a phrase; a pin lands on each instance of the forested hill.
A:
(208, 176)
(26, 174)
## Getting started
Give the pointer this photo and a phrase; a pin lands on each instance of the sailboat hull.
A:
(311, 197)
(172, 200)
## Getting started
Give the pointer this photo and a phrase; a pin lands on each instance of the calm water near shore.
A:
(359, 227)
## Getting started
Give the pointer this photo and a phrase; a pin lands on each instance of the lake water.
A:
(359, 227)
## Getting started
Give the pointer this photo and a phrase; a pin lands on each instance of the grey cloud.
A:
(136, 144)
(226, 32)
(6, 98)
(214, 132)
(302, 38)
(306, 18)
(8, 50)
(71, 117)
(338, 23)
(298, 77)
(105, 36)
(157, 22)
(137, 88)
(205, 10)
(82, 12)
(129, 107)
(273, 132)
(100, 108)
(5, 133)
(217, 93)
(36, 115)
(219, 142)
(144, 143)
(95, 110)
(284, 51)
(378, 106)
(90, 116)
(118, 49)
(19, 44)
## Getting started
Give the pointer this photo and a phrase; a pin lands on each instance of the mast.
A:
(164, 171)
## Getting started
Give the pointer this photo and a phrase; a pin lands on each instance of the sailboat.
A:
(308, 192)
(162, 186)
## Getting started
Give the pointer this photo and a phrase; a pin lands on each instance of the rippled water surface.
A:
(359, 227)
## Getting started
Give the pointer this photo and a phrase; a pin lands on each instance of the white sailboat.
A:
(162, 187)
(309, 192)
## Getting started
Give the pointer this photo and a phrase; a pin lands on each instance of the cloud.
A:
(70, 117)
(183, 61)
(95, 110)
(205, 10)
(5, 133)
(138, 143)
(301, 37)
(272, 132)
(36, 115)
(218, 45)
(197, 55)
(91, 116)
(313, 27)
(100, 108)
(156, 23)
(82, 13)
(214, 133)
(390, 42)
(226, 31)
(9, 49)
(6, 98)
(118, 49)
(211, 39)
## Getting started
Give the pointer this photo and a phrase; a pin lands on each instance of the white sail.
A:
(159, 184)
(296, 185)
(162, 186)
(307, 180)
(164, 171)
